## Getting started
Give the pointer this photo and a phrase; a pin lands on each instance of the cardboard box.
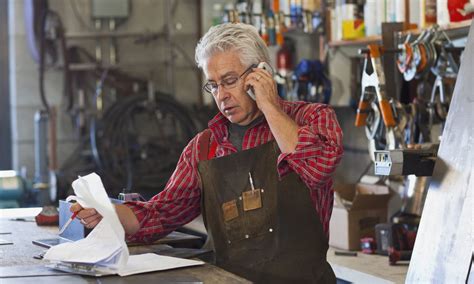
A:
(357, 209)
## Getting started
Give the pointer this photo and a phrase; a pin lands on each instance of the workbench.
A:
(22, 229)
(18, 227)
(365, 268)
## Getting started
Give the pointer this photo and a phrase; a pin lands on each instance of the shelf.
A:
(453, 27)
(356, 42)
(464, 25)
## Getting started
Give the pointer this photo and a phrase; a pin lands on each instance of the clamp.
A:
(375, 108)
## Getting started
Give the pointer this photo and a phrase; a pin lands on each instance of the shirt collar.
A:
(219, 123)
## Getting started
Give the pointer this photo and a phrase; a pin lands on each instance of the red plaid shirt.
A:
(317, 154)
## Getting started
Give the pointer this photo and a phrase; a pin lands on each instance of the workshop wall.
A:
(341, 74)
(149, 61)
(24, 95)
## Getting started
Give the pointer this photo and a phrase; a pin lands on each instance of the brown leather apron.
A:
(281, 242)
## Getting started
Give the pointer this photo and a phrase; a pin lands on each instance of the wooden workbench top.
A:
(18, 227)
(365, 268)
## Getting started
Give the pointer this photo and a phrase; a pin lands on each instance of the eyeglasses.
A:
(226, 83)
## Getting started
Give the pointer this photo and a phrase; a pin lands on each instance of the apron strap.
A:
(206, 152)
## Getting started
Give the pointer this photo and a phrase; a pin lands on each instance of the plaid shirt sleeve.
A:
(178, 204)
(318, 152)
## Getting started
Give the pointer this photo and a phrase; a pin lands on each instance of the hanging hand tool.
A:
(371, 108)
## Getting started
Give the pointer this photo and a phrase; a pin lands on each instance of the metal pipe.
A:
(199, 34)
(28, 10)
(53, 160)
(170, 69)
(5, 110)
(41, 147)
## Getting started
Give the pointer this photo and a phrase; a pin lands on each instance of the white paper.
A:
(104, 250)
(89, 250)
(153, 262)
(106, 241)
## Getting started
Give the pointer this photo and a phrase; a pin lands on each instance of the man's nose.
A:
(221, 92)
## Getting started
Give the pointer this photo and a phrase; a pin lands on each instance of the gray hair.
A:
(238, 37)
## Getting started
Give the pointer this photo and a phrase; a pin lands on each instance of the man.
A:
(266, 192)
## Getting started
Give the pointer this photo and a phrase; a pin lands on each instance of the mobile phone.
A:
(264, 66)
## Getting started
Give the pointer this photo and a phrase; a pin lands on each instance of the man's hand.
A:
(265, 90)
(283, 128)
(88, 217)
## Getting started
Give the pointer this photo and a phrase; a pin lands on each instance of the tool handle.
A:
(74, 214)
(362, 113)
(345, 253)
(387, 113)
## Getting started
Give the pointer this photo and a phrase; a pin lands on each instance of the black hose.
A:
(128, 148)
(42, 64)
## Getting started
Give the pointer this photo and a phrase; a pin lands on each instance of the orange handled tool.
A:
(387, 113)
(362, 112)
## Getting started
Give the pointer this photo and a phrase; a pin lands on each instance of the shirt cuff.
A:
(139, 209)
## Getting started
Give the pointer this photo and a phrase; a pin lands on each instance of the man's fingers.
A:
(94, 218)
(261, 73)
(86, 213)
(93, 223)
(89, 217)
(75, 207)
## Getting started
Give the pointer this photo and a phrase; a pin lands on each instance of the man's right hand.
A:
(88, 217)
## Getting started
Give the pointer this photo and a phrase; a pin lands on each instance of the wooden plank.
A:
(444, 244)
